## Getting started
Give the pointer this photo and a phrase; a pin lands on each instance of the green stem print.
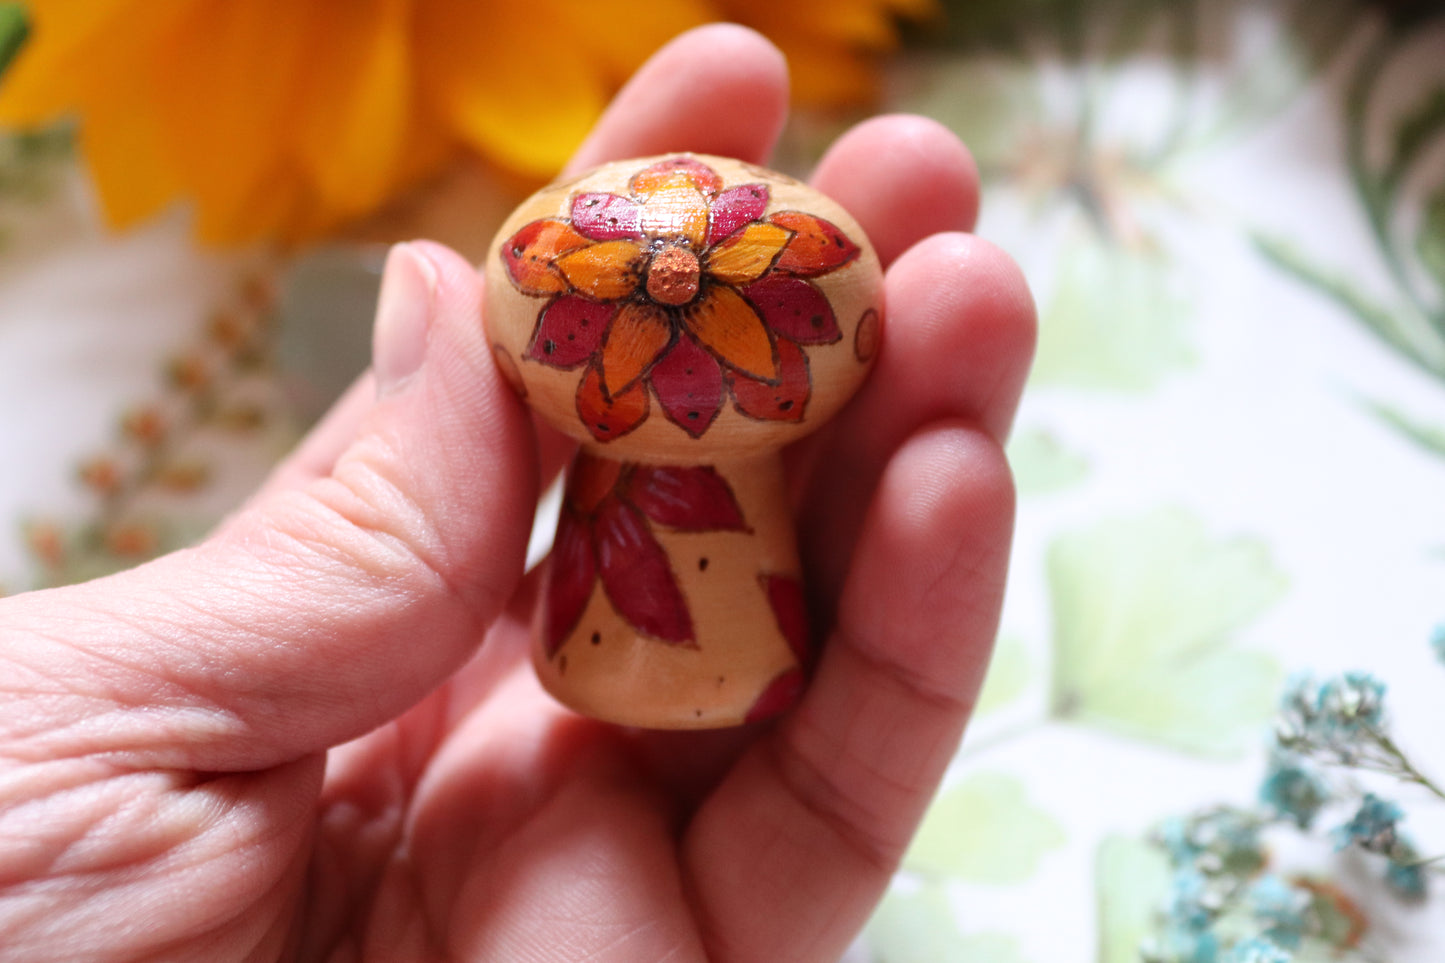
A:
(1101, 173)
(1400, 186)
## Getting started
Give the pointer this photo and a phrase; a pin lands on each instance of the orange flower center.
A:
(673, 276)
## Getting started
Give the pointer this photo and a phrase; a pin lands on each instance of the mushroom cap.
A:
(683, 308)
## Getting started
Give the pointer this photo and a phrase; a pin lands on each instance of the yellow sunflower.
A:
(282, 119)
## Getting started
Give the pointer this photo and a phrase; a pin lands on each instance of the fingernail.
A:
(403, 310)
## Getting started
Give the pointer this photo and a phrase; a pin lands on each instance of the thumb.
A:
(316, 613)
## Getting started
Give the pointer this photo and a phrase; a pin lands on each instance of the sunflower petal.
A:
(223, 114)
(495, 75)
(747, 254)
(817, 247)
(637, 337)
(570, 577)
(637, 574)
(784, 400)
(673, 172)
(728, 326)
(607, 217)
(352, 126)
(530, 255)
(734, 207)
(569, 331)
(795, 309)
(689, 386)
(691, 499)
(608, 418)
(607, 270)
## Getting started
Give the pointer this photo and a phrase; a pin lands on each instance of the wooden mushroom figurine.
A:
(683, 317)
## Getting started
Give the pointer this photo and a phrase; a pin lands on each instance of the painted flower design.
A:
(605, 533)
(683, 291)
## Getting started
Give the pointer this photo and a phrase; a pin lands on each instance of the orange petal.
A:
(676, 212)
(747, 254)
(531, 255)
(728, 326)
(675, 172)
(638, 336)
(591, 480)
(817, 247)
(606, 271)
(608, 418)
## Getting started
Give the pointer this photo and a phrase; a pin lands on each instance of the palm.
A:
(187, 789)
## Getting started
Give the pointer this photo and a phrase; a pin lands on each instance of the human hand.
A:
(316, 735)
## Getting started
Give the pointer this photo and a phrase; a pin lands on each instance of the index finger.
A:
(719, 89)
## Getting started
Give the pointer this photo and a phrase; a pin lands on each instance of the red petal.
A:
(783, 401)
(735, 207)
(570, 575)
(695, 499)
(607, 217)
(794, 308)
(569, 331)
(637, 575)
(609, 418)
(675, 171)
(785, 595)
(817, 247)
(689, 385)
(780, 694)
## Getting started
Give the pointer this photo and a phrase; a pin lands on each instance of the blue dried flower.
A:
(1281, 908)
(1437, 641)
(1179, 944)
(1213, 841)
(1350, 704)
(1372, 827)
(1191, 905)
(1257, 950)
(1404, 874)
(1292, 790)
(1297, 708)
(1174, 835)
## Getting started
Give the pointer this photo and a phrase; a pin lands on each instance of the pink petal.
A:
(607, 217)
(694, 499)
(637, 575)
(689, 386)
(569, 582)
(785, 596)
(569, 330)
(795, 309)
(735, 207)
(780, 694)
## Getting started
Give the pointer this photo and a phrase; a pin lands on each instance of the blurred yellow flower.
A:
(282, 119)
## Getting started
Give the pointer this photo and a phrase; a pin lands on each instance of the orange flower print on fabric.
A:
(682, 291)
